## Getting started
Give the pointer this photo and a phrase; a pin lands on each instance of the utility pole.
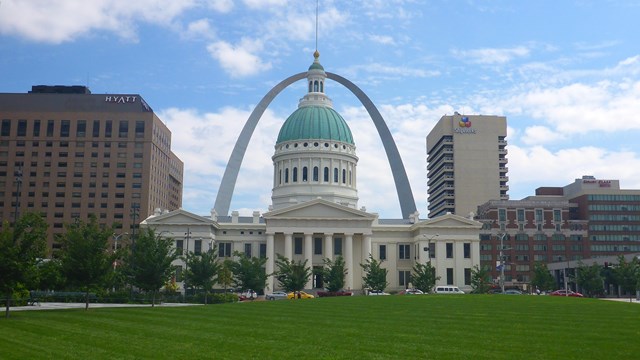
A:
(187, 236)
(502, 262)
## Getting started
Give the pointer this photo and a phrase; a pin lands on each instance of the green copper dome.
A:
(317, 123)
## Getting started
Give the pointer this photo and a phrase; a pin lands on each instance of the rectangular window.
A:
(539, 217)
(263, 251)
(224, 249)
(64, 128)
(317, 246)
(520, 215)
(502, 215)
(432, 250)
(383, 252)
(404, 251)
(6, 128)
(467, 276)
(297, 245)
(36, 128)
(557, 215)
(404, 278)
(247, 250)
(123, 129)
(197, 247)
(50, 128)
(22, 128)
(449, 250)
(179, 246)
(96, 130)
(467, 251)
(81, 128)
(337, 246)
(139, 129)
(108, 128)
(449, 276)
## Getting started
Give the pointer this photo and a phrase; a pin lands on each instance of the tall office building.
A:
(466, 163)
(67, 153)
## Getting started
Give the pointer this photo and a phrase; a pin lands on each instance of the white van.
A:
(447, 289)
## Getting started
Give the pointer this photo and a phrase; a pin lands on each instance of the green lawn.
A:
(359, 327)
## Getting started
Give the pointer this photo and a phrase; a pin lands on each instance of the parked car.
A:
(247, 295)
(563, 292)
(299, 295)
(334, 293)
(276, 295)
(513, 292)
(377, 293)
(411, 292)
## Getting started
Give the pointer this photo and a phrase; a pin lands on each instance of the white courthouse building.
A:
(314, 213)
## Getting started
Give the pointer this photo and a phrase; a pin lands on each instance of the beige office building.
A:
(466, 163)
(67, 153)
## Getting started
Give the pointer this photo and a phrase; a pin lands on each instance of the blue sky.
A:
(566, 74)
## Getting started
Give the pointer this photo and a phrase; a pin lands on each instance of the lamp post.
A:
(187, 237)
(18, 174)
(115, 246)
(502, 236)
(428, 248)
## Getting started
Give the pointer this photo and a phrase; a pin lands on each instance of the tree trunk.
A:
(153, 299)
(86, 300)
(9, 293)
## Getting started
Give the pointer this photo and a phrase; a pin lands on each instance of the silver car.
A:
(276, 295)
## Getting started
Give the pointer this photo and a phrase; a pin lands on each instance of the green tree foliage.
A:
(424, 276)
(589, 279)
(480, 279)
(248, 273)
(84, 257)
(627, 274)
(202, 270)
(225, 275)
(292, 275)
(20, 249)
(149, 266)
(333, 274)
(542, 278)
(50, 275)
(375, 276)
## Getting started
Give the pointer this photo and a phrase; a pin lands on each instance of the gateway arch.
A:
(225, 192)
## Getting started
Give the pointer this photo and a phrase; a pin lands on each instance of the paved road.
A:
(60, 305)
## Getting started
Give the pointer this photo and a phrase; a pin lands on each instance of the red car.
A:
(563, 292)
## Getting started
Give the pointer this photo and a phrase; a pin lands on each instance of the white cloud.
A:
(492, 55)
(536, 135)
(264, 4)
(199, 29)
(382, 39)
(398, 71)
(57, 21)
(239, 60)
(223, 6)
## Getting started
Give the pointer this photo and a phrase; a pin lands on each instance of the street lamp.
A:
(428, 248)
(502, 262)
(187, 236)
(115, 246)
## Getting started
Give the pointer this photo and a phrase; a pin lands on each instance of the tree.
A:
(50, 275)
(333, 274)
(375, 276)
(149, 266)
(225, 275)
(627, 274)
(542, 278)
(589, 279)
(84, 258)
(292, 275)
(201, 270)
(20, 248)
(424, 276)
(480, 279)
(249, 273)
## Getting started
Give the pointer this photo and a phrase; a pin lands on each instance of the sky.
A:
(566, 74)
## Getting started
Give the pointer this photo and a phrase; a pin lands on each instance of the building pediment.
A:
(449, 221)
(177, 217)
(319, 209)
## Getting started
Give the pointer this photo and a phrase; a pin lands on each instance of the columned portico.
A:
(366, 247)
(288, 245)
(271, 254)
(328, 246)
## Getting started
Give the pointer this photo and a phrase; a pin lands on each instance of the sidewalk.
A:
(61, 305)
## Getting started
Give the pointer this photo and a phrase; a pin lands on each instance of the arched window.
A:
(326, 174)
(286, 176)
(344, 176)
(350, 177)
(315, 86)
(321, 86)
(310, 85)
(280, 177)
(304, 174)
(335, 175)
(295, 174)
(315, 173)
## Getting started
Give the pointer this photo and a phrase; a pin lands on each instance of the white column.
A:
(366, 247)
(308, 255)
(348, 253)
(271, 258)
(328, 246)
(288, 246)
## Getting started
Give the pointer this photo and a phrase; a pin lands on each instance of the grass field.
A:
(359, 327)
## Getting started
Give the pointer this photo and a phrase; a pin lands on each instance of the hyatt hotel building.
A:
(66, 153)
